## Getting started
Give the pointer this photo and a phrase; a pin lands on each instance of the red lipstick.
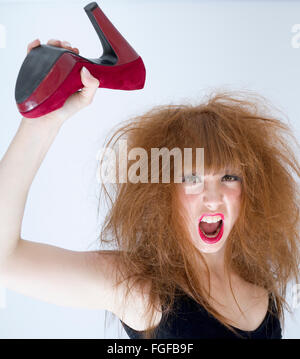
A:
(219, 234)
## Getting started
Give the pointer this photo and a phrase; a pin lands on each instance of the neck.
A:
(215, 261)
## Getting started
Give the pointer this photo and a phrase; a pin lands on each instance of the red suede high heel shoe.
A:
(50, 74)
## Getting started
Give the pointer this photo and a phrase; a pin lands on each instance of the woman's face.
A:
(216, 196)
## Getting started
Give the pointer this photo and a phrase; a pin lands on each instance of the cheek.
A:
(233, 200)
(234, 195)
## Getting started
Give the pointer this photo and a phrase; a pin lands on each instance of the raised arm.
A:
(39, 270)
(24, 156)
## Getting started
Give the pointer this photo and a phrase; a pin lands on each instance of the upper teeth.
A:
(211, 219)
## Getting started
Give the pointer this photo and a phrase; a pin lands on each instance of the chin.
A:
(209, 249)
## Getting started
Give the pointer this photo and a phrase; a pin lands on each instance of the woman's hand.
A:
(76, 101)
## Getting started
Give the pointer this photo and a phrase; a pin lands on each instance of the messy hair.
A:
(239, 129)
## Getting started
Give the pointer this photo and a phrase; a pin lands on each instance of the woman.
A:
(175, 273)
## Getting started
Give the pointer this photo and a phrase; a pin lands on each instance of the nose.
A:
(212, 197)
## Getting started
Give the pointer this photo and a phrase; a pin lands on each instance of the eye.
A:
(232, 178)
(191, 179)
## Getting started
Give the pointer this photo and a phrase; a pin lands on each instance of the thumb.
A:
(91, 85)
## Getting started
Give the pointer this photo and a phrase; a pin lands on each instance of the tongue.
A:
(209, 228)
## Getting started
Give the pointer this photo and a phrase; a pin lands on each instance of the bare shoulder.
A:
(132, 310)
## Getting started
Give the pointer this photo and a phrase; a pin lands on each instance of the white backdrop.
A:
(187, 47)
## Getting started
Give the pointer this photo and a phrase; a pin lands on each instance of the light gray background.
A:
(187, 47)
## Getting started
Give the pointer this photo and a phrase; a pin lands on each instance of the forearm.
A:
(18, 168)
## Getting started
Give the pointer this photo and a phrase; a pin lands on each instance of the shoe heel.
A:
(49, 75)
(116, 50)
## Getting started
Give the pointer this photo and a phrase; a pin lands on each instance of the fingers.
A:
(79, 99)
(33, 44)
(91, 85)
(53, 42)
(64, 44)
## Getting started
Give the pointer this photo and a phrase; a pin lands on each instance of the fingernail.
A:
(86, 71)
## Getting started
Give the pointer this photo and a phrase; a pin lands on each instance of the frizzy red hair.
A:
(238, 129)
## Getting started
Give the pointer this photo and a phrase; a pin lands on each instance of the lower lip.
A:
(211, 240)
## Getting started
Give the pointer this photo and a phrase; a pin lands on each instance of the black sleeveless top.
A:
(192, 321)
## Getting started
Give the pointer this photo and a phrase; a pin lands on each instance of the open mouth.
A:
(211, 232)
